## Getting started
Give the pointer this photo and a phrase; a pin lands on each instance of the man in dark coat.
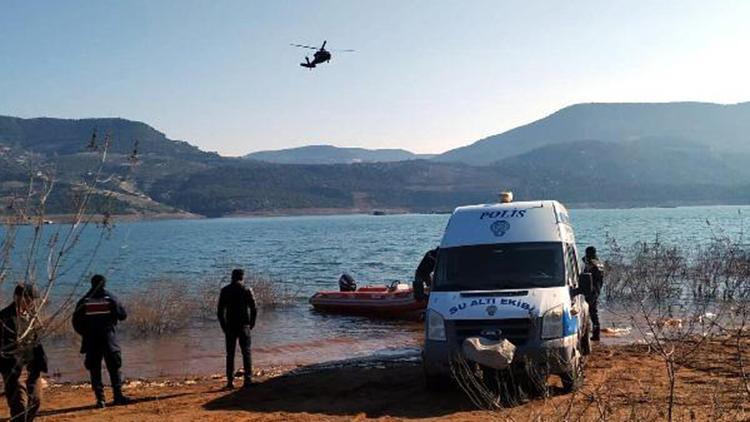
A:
(95, 319)
(237, 313)
(592, 264)
(20, 348)
(423, 274)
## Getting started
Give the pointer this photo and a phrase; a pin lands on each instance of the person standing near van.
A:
(593, 265)
(95, 318)
(236, 313)
(20, 348)
(423, 275)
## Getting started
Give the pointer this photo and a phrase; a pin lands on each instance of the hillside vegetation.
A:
(329, 154)
(591, 154)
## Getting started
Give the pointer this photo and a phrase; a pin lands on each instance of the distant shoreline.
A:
(135, 217)
(319, 212)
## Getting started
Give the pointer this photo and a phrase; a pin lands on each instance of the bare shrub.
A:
(720, 271)
(167, 304)
(270, 292)
(683, 301)
(492, 389)
(163, 305)
(651, 270)
(206, 295)
(44, 258)
(59, 328)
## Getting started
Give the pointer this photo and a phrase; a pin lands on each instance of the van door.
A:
(579, 307)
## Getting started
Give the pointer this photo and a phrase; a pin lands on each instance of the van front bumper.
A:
(551, 356)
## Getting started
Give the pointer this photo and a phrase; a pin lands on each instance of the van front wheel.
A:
(586, 341)
(572, 380)
(436, 383)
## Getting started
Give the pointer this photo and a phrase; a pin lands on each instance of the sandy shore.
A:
(623, 383)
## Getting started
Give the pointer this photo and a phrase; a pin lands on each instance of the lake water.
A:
(307, 254)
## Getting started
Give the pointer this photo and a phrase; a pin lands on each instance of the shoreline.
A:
(52, 219)
(331, 212)
(622, 382)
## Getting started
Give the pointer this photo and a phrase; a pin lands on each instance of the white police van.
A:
(509, 273)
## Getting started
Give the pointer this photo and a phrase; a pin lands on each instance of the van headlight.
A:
(435, 326)
(552, 323)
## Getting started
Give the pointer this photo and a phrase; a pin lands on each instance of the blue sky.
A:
(427, 76)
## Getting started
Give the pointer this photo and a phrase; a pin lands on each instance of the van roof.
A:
(514, 222)
(508, 205)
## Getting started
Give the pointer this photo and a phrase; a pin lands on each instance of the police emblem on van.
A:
(499, 228)
(491, 310)
(491, 334)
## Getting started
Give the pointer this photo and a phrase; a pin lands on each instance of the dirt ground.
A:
(622, 383)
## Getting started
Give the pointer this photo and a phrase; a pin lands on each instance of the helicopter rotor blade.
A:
(344, 51)
(324, 45)
(304, 46)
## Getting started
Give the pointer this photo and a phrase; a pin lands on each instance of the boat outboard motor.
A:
(347, 283)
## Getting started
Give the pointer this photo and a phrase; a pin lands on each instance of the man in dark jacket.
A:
(592, 264)
(235, 300)
(95, 318)
(423, 275)
(20, 348)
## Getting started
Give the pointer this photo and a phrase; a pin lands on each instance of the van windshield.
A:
(500, 266)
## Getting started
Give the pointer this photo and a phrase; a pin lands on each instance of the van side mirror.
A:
(585, 284)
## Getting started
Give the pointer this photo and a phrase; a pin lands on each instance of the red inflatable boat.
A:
(396, 301)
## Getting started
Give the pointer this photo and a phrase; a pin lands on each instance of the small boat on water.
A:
(395, 301)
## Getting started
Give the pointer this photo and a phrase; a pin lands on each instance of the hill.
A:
(722, 127)
(590, 173)
(60, 148)
(329, 154)
(256, 187)
(646, 172)
(70, 136)
(172, 176)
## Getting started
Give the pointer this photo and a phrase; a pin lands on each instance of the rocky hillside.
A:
(720, 127)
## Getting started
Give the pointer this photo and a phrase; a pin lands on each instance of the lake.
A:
(307, 254)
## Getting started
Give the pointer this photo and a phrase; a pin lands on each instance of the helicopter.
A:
(321, 55)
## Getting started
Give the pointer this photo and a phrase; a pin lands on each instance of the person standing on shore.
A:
(236, 313)
(20, 349)
(423, 274)
(95, 318)
(592, 264)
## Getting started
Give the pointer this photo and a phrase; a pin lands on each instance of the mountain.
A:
(624, 168)
(722, 127)
(68, 136)
(645, 172)
(329, 154)
(592, 173)
(59, 148)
